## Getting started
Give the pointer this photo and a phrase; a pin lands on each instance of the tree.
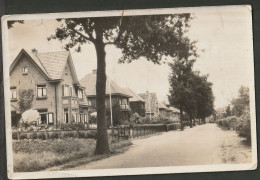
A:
(11, 23)
(25, 99)
(204, 97)
(190, 91)
(180, 86)
(240, 103)
(152, 37)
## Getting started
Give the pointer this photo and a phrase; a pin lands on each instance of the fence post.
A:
(77, 132)
(18, 135)
(46, 134)
(118, 133)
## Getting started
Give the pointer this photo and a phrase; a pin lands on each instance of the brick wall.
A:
(29, 81)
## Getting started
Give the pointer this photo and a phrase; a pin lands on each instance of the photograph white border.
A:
(121, 171)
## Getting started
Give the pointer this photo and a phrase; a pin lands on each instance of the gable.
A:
(23, 59)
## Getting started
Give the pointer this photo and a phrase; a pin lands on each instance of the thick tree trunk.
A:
(181, 118)
(102, 146)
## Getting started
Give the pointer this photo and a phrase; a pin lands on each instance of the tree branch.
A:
(91, 39)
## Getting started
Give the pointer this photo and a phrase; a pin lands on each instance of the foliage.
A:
(38, 155)
(135, 118)
(150, 36)
(118, 115)
(72, 126)
(190, 91)
(228, 111)
(25, 99)
(30, 116)
(244, 124)
(240, 103)
(91, 115)
(11, 23)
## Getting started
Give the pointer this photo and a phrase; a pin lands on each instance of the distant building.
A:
(151, 104)
(118, 96)
(162, 109)
(57, 94)
(137, 104)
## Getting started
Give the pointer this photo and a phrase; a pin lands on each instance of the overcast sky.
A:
(224, 34)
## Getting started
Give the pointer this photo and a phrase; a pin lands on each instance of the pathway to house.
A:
(205, 144)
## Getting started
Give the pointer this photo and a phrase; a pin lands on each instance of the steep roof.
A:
(173, 109)
(162, 106)
(54, 62)
(89, 82)
(51, 64)
(135, 97)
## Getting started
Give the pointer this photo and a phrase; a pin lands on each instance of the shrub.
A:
(41, 135)
(54, 135)
(32, 135)
(23, 136)
(244, 124)
(72, 126)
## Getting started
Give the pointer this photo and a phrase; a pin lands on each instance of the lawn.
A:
(36, 155)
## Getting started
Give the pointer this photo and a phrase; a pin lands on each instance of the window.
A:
(74, 116)
(81, 118)
(43, 118)
(50, 118)
(85, 118)
(80, 94)
(41, 91)
(66, 90)
(25, 70)
(13, 93)
(46, 117)
(66, 116)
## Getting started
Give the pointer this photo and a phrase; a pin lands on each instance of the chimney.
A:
(94, 71)
(34, 51)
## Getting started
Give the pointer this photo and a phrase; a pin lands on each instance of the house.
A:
(137, 104)
(51, 77)
(151, 104)
(169, 111)
(115, 96)
(173, 114)
(162, 109)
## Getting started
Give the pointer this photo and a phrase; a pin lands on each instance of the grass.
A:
(36, 155)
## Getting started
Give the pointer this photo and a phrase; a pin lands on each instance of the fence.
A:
(119, 133)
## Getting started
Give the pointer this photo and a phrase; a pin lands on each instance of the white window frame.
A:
(85, 118)
(13, 93)
(25, 70)
(66, 90)
(80, 93)
(41, 90)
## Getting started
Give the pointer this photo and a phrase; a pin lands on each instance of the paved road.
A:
(194, 146)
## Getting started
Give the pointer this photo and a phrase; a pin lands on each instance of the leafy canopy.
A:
(150, 36)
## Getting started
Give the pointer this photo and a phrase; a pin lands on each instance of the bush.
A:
(32, 135)
(54, 135)
(244, 124)
(72, 126)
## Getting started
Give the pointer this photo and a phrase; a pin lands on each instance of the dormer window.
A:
(25, 70)
(66, 70)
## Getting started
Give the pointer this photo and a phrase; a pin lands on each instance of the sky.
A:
(224, 35)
